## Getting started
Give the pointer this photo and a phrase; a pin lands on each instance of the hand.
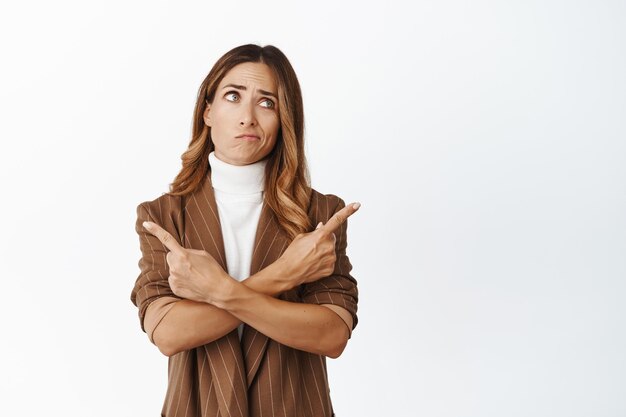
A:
(311, 256)
(194, 274)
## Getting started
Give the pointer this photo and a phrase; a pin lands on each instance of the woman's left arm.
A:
(309, 327)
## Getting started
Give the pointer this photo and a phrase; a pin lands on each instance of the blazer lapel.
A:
(202, 222)
(269, 243)
(203, 231)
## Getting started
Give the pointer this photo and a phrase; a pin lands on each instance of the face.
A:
(243, 116)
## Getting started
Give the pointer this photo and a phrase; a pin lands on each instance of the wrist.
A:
(282, 275)
(219, 298)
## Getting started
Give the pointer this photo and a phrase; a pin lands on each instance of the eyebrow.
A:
(243, 87)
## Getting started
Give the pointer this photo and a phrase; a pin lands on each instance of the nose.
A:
(247, 116)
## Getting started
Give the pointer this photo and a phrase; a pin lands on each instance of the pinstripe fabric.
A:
(257, 376)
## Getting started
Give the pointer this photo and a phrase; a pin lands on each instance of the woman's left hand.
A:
(194, 274)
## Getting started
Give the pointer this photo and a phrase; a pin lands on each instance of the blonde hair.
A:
(287, 181)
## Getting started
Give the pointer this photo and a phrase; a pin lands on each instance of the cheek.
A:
(273, 126)
(219, 114)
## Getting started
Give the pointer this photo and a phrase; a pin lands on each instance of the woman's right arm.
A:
(189, 324)
(171, 322)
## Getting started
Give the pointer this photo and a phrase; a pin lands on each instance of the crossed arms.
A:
(199, 302)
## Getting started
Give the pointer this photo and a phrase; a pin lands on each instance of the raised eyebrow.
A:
(243, 87)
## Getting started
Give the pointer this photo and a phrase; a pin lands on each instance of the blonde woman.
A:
(245, 283)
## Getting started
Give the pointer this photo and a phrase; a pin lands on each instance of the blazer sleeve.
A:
(339, 288)
(152, 282)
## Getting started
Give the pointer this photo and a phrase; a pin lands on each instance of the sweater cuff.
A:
(155, 313)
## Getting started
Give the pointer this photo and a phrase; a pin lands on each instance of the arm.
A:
(199, 289)
(171, 322)
(337, 291)
(344, 314)
(176, 333)
(189, 324)
(309, 327)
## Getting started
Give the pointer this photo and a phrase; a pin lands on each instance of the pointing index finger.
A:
(163, 235)
(341, 216)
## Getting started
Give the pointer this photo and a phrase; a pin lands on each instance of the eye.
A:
(270, 103)
(236, 94)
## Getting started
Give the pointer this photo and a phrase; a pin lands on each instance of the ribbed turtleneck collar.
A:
(237, 179)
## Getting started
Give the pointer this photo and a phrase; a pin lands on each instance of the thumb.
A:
(320, 224)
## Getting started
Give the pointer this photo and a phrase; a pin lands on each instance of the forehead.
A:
(251, 74)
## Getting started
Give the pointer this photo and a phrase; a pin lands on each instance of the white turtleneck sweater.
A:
(238, 193)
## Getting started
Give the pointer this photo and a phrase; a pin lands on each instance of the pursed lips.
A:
(248, 137)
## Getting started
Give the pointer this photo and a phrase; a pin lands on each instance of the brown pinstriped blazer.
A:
(256, 376)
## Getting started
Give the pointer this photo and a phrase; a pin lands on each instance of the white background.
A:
(485, 141)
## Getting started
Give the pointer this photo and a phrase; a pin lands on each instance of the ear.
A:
(205, 116)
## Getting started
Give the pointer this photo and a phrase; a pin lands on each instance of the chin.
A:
(245, 161)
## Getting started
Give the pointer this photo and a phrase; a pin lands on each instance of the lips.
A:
(248, 136)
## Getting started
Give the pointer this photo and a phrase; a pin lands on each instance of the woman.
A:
(245, 283)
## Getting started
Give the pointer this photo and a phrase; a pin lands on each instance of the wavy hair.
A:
(287, 181)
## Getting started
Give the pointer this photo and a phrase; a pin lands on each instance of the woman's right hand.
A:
(311, 256)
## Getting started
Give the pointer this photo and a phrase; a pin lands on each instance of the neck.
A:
(237, 179)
